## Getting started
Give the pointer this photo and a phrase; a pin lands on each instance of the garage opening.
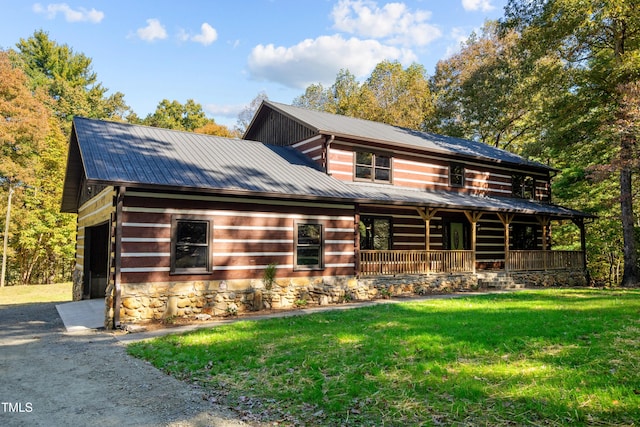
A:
(96, 261)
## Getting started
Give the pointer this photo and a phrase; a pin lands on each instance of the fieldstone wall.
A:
(145, 302)
(77, 278)
(166, 301)
(551, 278)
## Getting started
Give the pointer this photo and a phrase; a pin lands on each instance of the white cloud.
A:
(228, 111)
(473, 5)
(459, 35)
(153, 31)
(393, 22)
(207, 35)
(320, 59)
(79, 15)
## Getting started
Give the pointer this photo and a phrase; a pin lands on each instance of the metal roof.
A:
(339, 125)
(123, 154)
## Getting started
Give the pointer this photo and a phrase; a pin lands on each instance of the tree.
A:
(174, 115)
(247, 113)
(397, 96)
(69, 80)
(213, 128)
(493, 92)
(599, 42)
(393, 95)
(62, 84)
(33, 149)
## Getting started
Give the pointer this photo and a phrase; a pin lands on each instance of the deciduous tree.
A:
(599, 42)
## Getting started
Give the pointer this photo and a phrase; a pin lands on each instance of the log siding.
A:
(427, 173)
(245, 238)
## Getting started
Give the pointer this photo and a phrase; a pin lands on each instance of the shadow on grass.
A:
(552, 357)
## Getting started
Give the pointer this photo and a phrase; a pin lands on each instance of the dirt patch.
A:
(51, 377)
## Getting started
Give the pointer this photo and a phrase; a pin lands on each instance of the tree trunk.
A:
(630, 276)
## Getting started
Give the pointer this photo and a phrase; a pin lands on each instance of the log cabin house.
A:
(330, 207)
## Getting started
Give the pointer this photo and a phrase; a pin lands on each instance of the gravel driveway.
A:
(49, 377)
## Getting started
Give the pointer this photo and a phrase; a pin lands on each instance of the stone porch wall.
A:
(551, 278)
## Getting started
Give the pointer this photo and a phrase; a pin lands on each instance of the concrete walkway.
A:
(82, 315)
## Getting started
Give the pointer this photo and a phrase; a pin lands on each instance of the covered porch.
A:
(488, 241)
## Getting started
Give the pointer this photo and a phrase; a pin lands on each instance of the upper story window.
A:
(190, 245)
(309, 241)
(523, 186)
(456, 175)
(373, 167)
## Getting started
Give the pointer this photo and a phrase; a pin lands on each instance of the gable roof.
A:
(321, 122)
(112, 153)
(124, 154)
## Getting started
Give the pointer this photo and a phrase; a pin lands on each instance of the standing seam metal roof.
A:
(335, 124)
(124, 154)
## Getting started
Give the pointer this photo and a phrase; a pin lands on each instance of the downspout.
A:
(327, 147)
(117, 301)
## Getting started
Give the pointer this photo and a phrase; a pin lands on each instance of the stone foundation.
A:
(550, 278)
(146, 302)
(166, 301)
(77, 278)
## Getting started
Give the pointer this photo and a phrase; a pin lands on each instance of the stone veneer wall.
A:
(551, 278)
(144, 302)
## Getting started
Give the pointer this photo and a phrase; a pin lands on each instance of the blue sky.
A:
(223, 54)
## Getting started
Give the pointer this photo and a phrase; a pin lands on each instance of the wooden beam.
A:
(506, 220)
(544, 222)
(473, 217)
(427, 215)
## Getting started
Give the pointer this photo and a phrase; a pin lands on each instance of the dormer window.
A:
(456, 175)
(373, 167)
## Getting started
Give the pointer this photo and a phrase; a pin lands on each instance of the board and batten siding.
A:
(247, 235)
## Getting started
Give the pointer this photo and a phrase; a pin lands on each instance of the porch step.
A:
(498, 281)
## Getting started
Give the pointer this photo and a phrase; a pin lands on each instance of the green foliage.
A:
(393, 95)
(174, 115)
(592, 123)
(43, 86)
(269, 276)
(548, 357)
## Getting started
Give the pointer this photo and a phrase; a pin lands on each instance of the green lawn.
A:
(30, 294)
(543, 357)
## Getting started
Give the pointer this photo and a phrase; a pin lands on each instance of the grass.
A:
(30, 294)
(543, 357)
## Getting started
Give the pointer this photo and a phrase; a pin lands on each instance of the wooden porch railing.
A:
(544, 260)
(415, 262)
(419, 262)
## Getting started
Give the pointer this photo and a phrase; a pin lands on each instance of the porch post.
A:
(583, 244)
(427, 214)
(544, 222)
(506, 219)
(473, 218)
(356, 238)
